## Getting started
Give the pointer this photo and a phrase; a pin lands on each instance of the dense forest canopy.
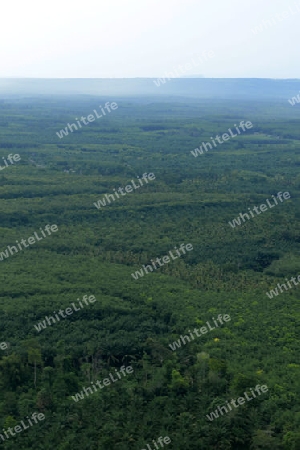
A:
(132, 322)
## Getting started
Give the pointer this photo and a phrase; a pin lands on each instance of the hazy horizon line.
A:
(145, 78)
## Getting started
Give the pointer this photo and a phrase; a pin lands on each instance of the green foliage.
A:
(134, 321)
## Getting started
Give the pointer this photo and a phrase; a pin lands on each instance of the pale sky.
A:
(145, 38)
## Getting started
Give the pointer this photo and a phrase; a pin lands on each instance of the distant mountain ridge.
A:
(220, 88)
